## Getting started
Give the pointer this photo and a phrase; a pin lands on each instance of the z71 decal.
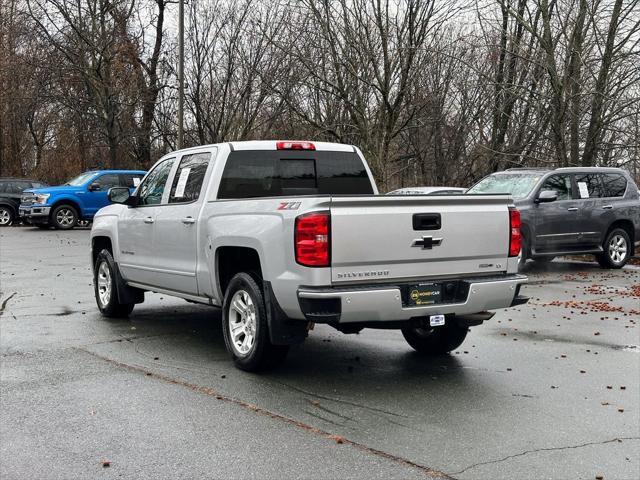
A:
(289, 205)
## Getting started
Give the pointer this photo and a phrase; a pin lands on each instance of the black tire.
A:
(251, 349)
(616, 249)
(104, 279)
(64, 217)
(435, 340)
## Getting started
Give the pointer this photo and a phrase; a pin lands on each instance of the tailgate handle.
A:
(427, 221)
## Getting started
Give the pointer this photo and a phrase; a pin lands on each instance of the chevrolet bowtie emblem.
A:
(427, 243)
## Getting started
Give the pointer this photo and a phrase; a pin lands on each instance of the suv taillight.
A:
(515, 236)
(312, 239)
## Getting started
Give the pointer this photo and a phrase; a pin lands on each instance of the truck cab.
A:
(78, 199)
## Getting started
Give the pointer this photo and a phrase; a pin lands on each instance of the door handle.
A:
(572, 209)
(149, 220)
(188, 220)
(607, 207)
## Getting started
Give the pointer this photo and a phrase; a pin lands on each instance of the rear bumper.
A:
(379, 303)
(35, 214)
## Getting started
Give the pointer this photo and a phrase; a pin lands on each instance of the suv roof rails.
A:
(526, 168)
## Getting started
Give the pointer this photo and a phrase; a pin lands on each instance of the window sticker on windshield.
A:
(136, 181)
(584, 191)
(182, 182)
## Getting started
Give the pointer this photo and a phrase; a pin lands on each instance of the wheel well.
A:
(9, 206)
(97, 245)
(232, 260)
(627, 226)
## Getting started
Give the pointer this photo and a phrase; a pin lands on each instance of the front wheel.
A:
(616, 249)
(105, 287)
(245, 328)
(435, 340)
(64, 217)
(6, 216)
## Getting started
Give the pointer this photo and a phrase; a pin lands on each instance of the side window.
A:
(614, 184)
(107, 181)
(188, 179)
(130, 180)
(561, 184)
(589, 185)
(3, 187)
(152, 188)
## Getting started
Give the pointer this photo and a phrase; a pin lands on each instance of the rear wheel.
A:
(245, 328)
(64, 217)
(435, 340)
(105, 287)
(6, 216)
(616, 249)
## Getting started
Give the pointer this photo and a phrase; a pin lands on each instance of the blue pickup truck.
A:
(79, 199)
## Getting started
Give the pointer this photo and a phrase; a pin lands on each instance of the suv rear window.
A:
(614, 185)
(260, 173)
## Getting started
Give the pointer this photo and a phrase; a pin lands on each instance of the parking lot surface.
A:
(546, 390)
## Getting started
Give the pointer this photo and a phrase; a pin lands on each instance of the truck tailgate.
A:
(378, 238)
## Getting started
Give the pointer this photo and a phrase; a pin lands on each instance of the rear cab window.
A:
(279, 173)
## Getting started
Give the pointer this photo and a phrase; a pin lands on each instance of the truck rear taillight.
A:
(295, 146)
(515, 236)
(312, 236)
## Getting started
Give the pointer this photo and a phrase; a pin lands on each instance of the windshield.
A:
(80, 179)
(518, 185)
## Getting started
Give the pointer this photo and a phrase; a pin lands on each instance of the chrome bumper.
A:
(34, 212)
(379, 304)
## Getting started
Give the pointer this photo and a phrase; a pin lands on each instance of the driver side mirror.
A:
(121, 195)
(94, 187)
(547, 196)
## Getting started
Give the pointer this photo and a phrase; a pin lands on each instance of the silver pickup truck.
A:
(283, 235)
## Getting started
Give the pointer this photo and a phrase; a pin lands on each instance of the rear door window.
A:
(561, 184)
(263, 173)
(614, 184)
(589, 185)
(187, 182)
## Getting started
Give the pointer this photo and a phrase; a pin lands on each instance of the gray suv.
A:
(564, 211)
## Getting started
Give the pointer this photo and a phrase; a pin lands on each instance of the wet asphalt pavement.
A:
(547, 390)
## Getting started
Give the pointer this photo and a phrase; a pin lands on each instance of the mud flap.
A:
(127, 294)
(282, 330)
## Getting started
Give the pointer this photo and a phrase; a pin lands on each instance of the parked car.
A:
(78, 199)
(428, 191)
(10, 193)
(282, 235)
(572, 211)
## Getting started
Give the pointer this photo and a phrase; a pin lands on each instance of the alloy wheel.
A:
(104, 284)
(5, 217)
(65, 217)
(242, 322)
(617, 248)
